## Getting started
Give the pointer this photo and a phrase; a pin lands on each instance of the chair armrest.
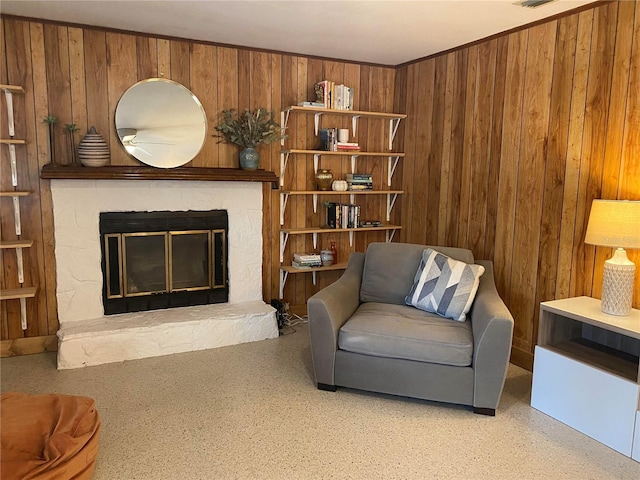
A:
(492, 325)
(328, 310)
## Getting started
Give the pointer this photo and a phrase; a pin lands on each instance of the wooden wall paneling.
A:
(445, 171)
(204, 78)
(435, 158)
(481, 146)
(77, 77)
(409, 160)
(535, 125)
(271, 214)
(399, 106)
(362, 90)
(509, 161)
(147, 57)
(164, 58)
(424, 114)
(495, 150)
(18, 73)
(466, 172)
(573, 162)
(629, 186)
(227, 99)
(4, 328)
(41, 109)
(593, 140)
(97, 85)
(57, 62)
(612, 174)
(180, 62)
(554, 181)
(457, 146)
(121, 57)
(244, 79)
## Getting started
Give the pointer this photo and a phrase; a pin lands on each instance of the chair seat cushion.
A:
(400, 331)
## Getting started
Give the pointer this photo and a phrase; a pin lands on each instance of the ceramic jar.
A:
(324, 178)
(249, 159)
(326, 257)
(339, 186)
(93, 151)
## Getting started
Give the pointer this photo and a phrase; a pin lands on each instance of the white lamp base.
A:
(617, 284)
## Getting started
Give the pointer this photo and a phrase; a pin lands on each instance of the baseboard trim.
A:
(28, 345)
(522, 358)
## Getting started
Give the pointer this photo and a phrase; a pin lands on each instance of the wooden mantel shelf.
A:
(152, 173)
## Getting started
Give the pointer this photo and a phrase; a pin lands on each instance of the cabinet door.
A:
(594, 402)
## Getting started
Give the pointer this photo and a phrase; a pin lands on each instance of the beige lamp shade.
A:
(614, 223)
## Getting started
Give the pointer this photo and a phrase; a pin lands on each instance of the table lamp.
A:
(616, 223)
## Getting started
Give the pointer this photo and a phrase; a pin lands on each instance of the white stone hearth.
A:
(87, 337)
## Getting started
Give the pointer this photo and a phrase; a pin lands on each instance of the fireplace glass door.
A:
(149, 266)
(147, 263)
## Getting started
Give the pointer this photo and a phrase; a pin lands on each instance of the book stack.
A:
(359, 181)
(306, 260)
(337, 97)
(343, 215)
(347, 146)
(312, 104)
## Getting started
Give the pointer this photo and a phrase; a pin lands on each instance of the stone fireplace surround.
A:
(88, 337)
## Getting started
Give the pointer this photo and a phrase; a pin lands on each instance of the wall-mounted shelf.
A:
(286, 270)
(394, 118)
(12, 141)
(285, 232)
(16, 244)
(17, 293)
(12, 88)
(15, 193)
(392, 195)
(392, 158)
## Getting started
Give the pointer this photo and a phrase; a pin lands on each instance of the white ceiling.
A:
(375, 31)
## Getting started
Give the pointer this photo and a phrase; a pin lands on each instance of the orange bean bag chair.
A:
(48, 436)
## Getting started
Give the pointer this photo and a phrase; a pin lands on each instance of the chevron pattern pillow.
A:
(444, 286)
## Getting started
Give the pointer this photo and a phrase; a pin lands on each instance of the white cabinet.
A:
(586, 371)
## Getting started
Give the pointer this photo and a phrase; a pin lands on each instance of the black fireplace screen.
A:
(153, 260)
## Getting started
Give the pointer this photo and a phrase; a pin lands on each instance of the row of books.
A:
(306, 260)
(343, 215)
(359, 181)
(337, 97)
(329, 142)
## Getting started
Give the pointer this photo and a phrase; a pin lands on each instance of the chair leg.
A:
(327, 388)
(485, 411)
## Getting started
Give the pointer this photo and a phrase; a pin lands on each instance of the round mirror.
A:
(161, 123)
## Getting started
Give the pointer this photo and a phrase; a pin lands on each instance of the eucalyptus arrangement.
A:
(249, 129)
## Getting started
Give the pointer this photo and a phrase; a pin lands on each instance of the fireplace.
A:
(89, 337)
(155, 260)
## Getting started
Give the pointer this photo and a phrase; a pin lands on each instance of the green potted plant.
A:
(249, 130)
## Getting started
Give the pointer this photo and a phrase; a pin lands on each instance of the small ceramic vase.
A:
(339, 186)
(326, 257)
(249, 159)
(324, 178)
(93, 151)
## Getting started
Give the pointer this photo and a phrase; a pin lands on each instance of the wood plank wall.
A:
(78, 75)
(508, 142)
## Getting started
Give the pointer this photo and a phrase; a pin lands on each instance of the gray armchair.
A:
(364, 336)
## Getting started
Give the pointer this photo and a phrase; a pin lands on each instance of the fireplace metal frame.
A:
(121, 301)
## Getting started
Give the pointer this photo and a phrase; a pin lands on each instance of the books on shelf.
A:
(312, 104)
(359, 181)
(337, 97)
(329, 141)
(343, 215)
(306, 260)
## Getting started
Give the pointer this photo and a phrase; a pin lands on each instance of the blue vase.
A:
(249, 159)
